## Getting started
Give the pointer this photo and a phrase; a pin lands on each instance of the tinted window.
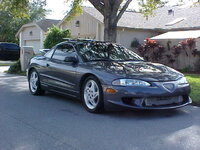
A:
(10, 46)
(49, 53)
(105, 51)
(62, 51)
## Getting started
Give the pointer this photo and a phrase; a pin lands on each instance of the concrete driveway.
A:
(4, 68)
(53, 122)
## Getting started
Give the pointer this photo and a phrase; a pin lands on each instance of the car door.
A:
(63, 74)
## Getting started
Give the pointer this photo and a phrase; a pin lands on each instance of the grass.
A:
(194, 81)
(17, 73)
(5, 64)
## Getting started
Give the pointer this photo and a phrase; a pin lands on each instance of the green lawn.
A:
(5, 64)
(194, 81)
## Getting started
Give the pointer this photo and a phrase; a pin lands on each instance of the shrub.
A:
(186, 69)
(151, 50)
(135, 43)
(55, 36)
(15, 68)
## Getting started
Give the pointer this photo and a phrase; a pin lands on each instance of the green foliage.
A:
(15, 68)
(186, 69)
(17, 8)
(194, 80)
(55, 36)
(76, 9)
(148, 6)
(10, 23)
(135, 43)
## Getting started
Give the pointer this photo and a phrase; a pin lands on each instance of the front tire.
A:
(92, 95)
(34, 83)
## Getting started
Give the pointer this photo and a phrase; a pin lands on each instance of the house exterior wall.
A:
(26, 33)
(32, 36)
(93, 29)
(88, 27)
(126, 36)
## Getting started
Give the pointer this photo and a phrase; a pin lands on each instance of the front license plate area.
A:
(163, 100)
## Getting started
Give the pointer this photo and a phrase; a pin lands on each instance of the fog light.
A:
(111, 91)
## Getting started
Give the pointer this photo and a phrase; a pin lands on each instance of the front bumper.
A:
(138, 97)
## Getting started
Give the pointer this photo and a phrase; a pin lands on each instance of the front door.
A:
(63, 74)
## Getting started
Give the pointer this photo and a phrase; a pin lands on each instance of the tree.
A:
(17, 8)
(112, 10)
(55, 36)
(10, 22)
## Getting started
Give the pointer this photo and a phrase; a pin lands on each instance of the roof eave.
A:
(27, 25)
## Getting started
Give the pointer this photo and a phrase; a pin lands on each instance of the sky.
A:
(60, 7)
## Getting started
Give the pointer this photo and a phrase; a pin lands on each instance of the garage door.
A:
(34, 43)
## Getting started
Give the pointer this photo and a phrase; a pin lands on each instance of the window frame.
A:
(57, 60)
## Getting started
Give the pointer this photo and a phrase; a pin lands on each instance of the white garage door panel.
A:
(35, 44)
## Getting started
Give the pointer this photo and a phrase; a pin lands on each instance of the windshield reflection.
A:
(101, 51)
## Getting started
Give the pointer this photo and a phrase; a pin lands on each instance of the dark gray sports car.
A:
(106, 75)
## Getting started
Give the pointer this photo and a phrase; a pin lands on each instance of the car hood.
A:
(138, 70)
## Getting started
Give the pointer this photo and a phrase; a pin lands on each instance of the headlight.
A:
(182, 80)
(130, 82)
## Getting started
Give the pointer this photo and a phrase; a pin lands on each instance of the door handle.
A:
(47, 65)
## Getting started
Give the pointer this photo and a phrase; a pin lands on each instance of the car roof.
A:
(6, 43)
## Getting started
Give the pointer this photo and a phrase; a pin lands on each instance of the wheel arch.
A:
(29, 70)
(85, 76)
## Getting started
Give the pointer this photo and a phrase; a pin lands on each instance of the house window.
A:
(77, 23)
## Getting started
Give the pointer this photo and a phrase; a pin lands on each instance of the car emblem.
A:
(169, 87)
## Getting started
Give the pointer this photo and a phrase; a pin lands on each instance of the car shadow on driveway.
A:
(123, 114)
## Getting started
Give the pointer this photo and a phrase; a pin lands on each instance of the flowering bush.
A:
(151, 50)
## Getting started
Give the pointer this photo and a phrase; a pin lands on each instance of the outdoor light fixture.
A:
(77, 23)
(31, 33)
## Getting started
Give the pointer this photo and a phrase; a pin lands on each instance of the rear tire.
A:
(34, 83)
(92, 95)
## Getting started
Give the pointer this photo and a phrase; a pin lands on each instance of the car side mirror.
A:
(72, 59)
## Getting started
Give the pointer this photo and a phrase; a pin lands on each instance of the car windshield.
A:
(101, 51)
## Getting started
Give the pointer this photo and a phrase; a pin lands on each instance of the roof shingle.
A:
(46, 23)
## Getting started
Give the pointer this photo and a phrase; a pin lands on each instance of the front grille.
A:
(153, 101)
(159, 101)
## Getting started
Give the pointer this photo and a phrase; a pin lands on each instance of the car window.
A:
(10, 46)
(105, 51)
(62, 51)
(49, 53)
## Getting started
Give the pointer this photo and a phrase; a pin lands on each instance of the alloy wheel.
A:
(91, 94)
(33, 81)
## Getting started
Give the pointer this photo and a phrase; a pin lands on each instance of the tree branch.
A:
(98, 4)
(123, 10)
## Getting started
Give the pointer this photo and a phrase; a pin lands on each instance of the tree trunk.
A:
(110, 28)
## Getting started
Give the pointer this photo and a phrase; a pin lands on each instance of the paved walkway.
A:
(4, 68)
